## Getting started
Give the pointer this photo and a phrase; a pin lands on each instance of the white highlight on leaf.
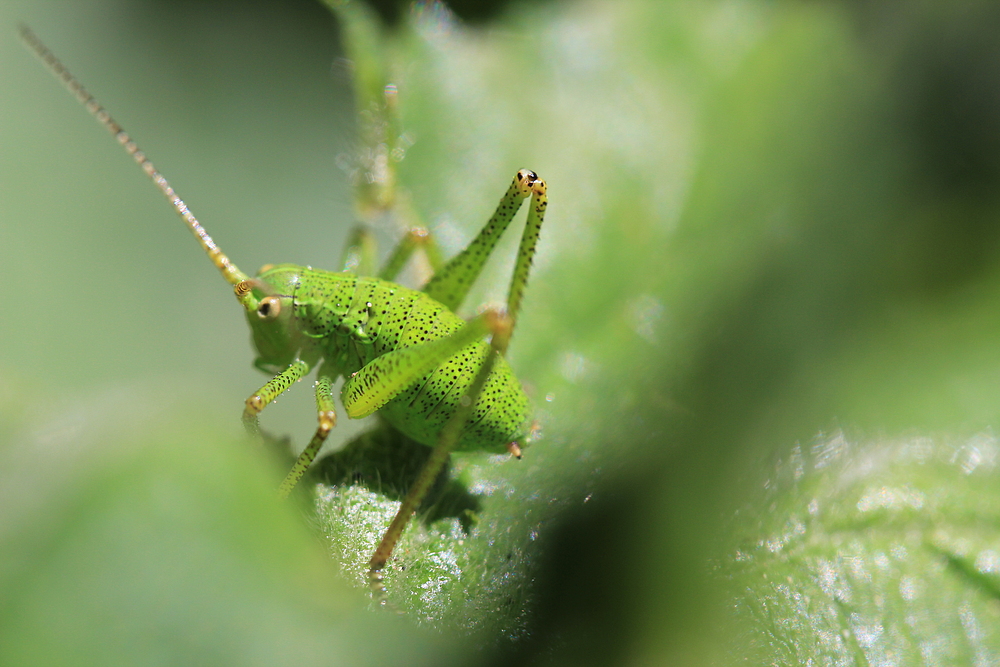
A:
(908, 588)
(890, 498)
(988, 562)
(645, 312)
(573, 366)
(867, 634)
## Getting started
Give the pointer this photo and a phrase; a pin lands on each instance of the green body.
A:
(439, 379)
(347, 321)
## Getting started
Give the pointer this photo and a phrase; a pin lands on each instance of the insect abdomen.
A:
(501, 411)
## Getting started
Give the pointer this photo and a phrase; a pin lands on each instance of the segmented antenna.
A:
(229, 271)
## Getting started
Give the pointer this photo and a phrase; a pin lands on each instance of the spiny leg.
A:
(529, 242)
(451, 284)
(270, 391)
(385, 377)
(500, 325)
(327, 415)
(525, 258)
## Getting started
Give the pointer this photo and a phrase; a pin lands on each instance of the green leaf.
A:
(872, 552)
(767, 221)
(136, 532)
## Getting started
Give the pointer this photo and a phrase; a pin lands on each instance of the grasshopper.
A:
(432, 375)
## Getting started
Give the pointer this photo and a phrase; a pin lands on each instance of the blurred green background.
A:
(760, 335)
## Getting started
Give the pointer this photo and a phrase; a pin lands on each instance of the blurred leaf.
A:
(879, 552)
(135, 533)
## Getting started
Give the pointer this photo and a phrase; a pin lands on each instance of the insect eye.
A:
(269, 308)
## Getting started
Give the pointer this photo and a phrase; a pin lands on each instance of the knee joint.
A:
(254, 405)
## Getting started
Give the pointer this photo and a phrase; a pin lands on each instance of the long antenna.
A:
(229, 271)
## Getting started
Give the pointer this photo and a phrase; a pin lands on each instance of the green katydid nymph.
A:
(439, 379)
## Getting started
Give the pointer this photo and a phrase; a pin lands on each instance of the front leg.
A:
(270, 391)
(327, 415)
